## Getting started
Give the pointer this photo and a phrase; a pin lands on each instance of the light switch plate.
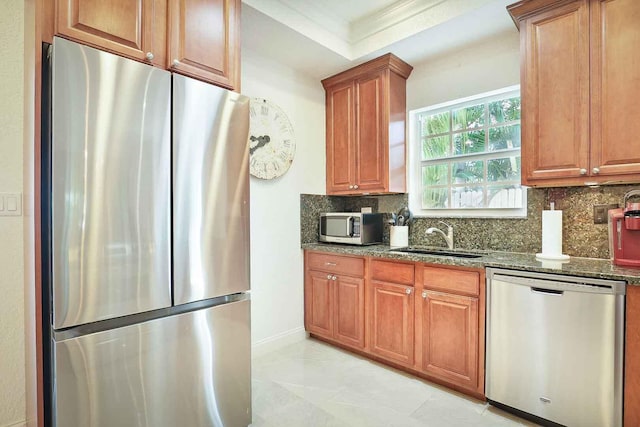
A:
(601, 213)
(10, 204)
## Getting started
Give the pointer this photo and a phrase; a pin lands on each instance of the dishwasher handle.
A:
(544, 282)
(553, 292)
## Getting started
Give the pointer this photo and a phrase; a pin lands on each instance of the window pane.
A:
(468, 142)
(505, 169)
(465, 172)
(467, 197)
(468, 117)
(435, 174)
(435, 147)
(436, 123)
(505, 110)
(509, 196)
(435, 198)
(503, 137)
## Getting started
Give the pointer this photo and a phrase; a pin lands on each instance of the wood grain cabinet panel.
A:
(450, 337)
(391, 321)
(197, 38)
(579, 83)
(334, 298)
(555, 93)
(319, 303)
(340, 105)
(366, 115)
(349, 311)
(204, 40)
(132, 28)
(450, 326)
(615, 83)
(370, 136)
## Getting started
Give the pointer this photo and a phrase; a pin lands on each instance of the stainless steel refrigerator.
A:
(145, 245)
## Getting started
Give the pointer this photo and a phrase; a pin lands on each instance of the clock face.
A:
(271, 141)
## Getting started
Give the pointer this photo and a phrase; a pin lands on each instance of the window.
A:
(465, 157)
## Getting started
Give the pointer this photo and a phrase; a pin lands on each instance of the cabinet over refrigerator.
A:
(145, 245)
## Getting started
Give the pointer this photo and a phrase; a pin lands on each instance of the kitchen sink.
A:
(437, 252)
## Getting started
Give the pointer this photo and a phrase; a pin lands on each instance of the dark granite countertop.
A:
(585, 267)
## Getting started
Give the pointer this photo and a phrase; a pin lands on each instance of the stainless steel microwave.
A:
(354, 228)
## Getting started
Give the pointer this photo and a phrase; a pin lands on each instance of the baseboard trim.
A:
(278, 341)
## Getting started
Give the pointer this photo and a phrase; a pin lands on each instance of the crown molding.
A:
(370, 33)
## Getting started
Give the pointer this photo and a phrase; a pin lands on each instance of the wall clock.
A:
(271, 140)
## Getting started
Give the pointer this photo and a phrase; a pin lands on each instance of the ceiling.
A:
(322, 37)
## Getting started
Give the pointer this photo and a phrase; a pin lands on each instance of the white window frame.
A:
(415, 164)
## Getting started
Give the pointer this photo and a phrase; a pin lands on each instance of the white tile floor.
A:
(311, 384)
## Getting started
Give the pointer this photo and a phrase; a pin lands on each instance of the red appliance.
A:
(624, 232)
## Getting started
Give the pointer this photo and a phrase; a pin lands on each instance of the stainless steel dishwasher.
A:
(555, 346)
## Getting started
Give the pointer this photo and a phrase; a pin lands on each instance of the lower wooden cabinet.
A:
(450, 325)
(449, 337)
(391, 321)
(334, 300)
(425, 319)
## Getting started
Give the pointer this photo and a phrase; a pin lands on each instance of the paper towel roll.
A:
(552, 236)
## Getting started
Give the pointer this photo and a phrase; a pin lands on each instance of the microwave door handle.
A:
(350, 226)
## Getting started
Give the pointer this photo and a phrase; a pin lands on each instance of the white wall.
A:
(12, 358)
(490, 64)
(276, 259)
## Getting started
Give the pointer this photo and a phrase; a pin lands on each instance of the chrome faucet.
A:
(448, 237)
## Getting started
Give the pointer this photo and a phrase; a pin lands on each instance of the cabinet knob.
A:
(583, 171)
(595, 170)
(149, 56)
(424, 294)
(355, 186)
(351, 187)
(175, 63)
(328, 277)
(334, 278)
(408, 291)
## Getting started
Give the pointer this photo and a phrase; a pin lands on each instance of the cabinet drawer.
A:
(335, 264)
(394, 272)
(454, 281)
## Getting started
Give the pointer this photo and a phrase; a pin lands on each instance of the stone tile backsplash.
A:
(581, 237)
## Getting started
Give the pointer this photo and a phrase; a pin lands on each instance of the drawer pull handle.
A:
(332, 264)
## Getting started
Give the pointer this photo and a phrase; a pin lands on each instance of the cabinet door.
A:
(125, 27)
(349, 311)
(555, 93)
(340, 139)
(615, 37)
(203, 40)
(449, 338)
(318, 303)
(371, 133)
(391, 321)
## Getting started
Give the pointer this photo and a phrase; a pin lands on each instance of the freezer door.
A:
(110, 186)
(191, 369)
(210, 191)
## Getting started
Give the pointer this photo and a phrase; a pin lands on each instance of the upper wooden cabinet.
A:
(198, 38)
(366, 115)
(579, 86)
(136, 29)
(204, 40)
